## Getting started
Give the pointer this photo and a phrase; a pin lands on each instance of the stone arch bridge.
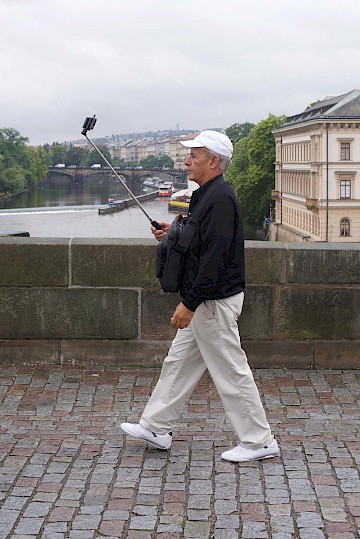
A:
(80, 175)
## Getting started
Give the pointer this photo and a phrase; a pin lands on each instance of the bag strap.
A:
(192, 222)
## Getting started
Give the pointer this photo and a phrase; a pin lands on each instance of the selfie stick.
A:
(88, 125)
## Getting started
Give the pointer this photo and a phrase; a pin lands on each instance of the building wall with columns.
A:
(317, 182)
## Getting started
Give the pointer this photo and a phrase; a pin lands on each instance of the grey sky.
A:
(152, 64)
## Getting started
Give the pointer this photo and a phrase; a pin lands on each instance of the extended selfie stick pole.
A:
(88, 125)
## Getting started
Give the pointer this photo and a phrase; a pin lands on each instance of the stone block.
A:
(257, 319)
(324, 264)
(318, 313)
(35, 262)
(50, 313)
(265, 262)
(82, 352)
(31, 351)
(337, 355)
(279, 354)
(156, 310)
(113, 262)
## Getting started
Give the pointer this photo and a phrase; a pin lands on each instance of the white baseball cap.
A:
(212, 140)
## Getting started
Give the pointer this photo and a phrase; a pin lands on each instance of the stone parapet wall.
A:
(88, 301)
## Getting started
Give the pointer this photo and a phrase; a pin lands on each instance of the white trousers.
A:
(212, 342)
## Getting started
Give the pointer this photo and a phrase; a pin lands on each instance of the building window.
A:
(344, 227)
(345, 151)
(345, 188)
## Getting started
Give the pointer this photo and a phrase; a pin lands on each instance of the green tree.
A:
(11, 146)
(165, 161)
(162, 161)
(13, 180)
(20, 166)
(12, 137)
(37, 168)
(75, 155)
(151, 161)
(117, 162)
(251, 172)
(93, 157)
(57, 154)
(238, 131)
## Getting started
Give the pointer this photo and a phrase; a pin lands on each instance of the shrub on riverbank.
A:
(21, 167)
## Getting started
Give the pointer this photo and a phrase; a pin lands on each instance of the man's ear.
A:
(215, 159)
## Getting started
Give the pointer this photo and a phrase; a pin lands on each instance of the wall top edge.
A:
(14, 240)
(313, 246)
(249, 244)
(19, 240)
(114, 241)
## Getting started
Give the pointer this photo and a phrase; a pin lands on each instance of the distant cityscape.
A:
(135, 147)
(113, 140)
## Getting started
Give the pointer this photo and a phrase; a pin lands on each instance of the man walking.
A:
(212, 293)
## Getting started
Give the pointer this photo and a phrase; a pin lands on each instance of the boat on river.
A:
(150, 182)
(180, 201)
(166, 189)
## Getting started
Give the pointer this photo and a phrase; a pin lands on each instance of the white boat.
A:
(180, 200)
(166, 189)
(150, 182)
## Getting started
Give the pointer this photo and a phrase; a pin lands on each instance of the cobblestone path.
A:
(66, 471)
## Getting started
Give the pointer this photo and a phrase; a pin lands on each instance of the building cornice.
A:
(319, 125)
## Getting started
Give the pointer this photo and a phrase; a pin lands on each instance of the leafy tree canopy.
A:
(93, 157)
(20, 167)
(152, 161)
(251, 172)
(117, 162)
(238, 131)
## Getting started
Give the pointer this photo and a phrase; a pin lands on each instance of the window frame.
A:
(345, 154)
(345, 227)
(344, 175)
(346, 188)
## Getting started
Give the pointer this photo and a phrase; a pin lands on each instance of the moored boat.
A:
(166, 189)
(180, 201)
(150, 182)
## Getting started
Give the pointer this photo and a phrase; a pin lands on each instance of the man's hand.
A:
(181, 317)
(159, 233)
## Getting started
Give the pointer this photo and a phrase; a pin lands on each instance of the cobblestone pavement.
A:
(68, 472)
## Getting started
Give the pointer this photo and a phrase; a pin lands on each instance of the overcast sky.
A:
(154, 64)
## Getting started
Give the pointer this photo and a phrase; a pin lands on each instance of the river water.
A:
(66, 211)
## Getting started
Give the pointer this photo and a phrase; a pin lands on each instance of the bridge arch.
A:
(79, 174)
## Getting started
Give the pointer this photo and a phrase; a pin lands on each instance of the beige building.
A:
(137, 150)
(317, 173)
(141, 150)
(123, 152)
(179, 152)
(151, 148)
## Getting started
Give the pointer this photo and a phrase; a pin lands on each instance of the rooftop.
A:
(341, 107)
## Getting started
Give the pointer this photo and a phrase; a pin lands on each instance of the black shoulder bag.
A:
(170, 252)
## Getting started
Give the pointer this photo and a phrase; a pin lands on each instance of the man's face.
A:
(198, 165)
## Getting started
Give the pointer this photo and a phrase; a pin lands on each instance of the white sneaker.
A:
(159, 441)
(243, 454)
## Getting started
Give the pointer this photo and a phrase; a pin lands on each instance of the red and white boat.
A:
(166, 189)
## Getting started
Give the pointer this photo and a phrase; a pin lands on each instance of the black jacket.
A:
(214, 264)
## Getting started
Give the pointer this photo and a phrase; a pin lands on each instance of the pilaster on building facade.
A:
(317, 173)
